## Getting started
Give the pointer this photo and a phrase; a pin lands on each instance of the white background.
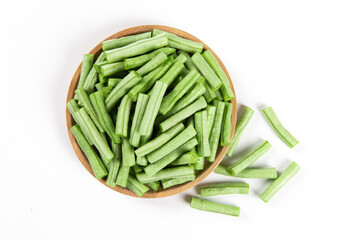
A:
(300, 57)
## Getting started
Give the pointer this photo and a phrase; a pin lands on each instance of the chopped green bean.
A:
(180, 90)
(183, 114)
(85, 100)
(159, 140)
(86, 66)
(239, 130)
(131, 63)
(123, 175)
(206, 205)
(224, 189)
(199, 165)
(99, 142)
(137, 187)
(209, 94)
(98, 65)
(92, 76)
(226, 125)
(123, 116)
(136, 48)
(154, 185)
(187, 158)
(138, 168)
(152, 109)
(202, 133)
(173, 144)
(176, 181)
(211, 111)
(111, 68)
(103, 79)
(180, 43)
(188, 63)
(99, 86)
(225, 89)
(275, 123)
(103, 116)
(172, 73)
(278, 183)
(113, 82)
(138, 115)
(114, 165)
(123, 41)
(155, 167)
(121, 89)
(206, 71)
(181, 58)
(152, 64)
(95, 163)
(249, 158)
(218, 95)
(175, 172)
(215, 131)
(128, 155)
(266, 173)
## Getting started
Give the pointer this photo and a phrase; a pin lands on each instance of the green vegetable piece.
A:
(114, 165)
(176, 181)
(173, 144)
(187, 158)
(128, 155)
(266, 173)
(154, 185)
(225, 89)
(86, 66)
(202, 133)
(206, 71)
(123, 175)
(249, 158)
(183, 114)
(123, 41)
(188, 63)
(99, 86)
(175, 172)
(180, 43)
(209, 94)
(131, 63)
(278, 183)
(123, 116)
(224, 189)
(199, 165)
(96, 165)
(137, 187)
(206, 205)
(152, 108)
(111, 68)
(218, 95)
(239, 130)
(152, 64)
(172, 73)
(138, 115)
(121, 89)
(211, 111)
(226, 125)
(136, 48)
(215, 131)
(275, 123)
(92, 76)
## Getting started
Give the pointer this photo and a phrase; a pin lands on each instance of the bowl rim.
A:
(175, 189)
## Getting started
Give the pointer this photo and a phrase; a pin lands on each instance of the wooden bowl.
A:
(200, 175)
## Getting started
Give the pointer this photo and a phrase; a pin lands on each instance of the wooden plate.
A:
(201, 175)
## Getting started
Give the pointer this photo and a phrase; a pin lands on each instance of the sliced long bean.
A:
(99, 142)
(275, 123)
(123, 175)
(181, 43)
(136, 48)
(180, 90)
(155, 167)
(152, 108)
(226, 125)
(152, 64)
(99, 86)
(73, 108)
(211, 111)
(173, 73)
(224, 189)
(113, 82)
(121, 89)
(131, 63)
(239, 130)
(183, 114)
(209, 206)
(123, 117)
(187, 158)
(96, 165)
(103, 116)
(92, 76)
(267, 173)
(111, 68)
(218, 95)
(177, 181)
(159, 140)
(206, 71)
(278, 183)
(128, 155)
(249, 158)
(98, 65)
(86, 66)
(175, 172)
(154, 185)
(209, 94)
(188, 63)
(202, 133)
(149, 80)
(138, 115)
(123, 41)
(114, 165)
(85, 101)
(225, 89)
(173, 144)
(137, 187)
(215, 131)
(199, 165)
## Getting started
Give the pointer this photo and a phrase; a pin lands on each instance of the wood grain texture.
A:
(201, 175)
